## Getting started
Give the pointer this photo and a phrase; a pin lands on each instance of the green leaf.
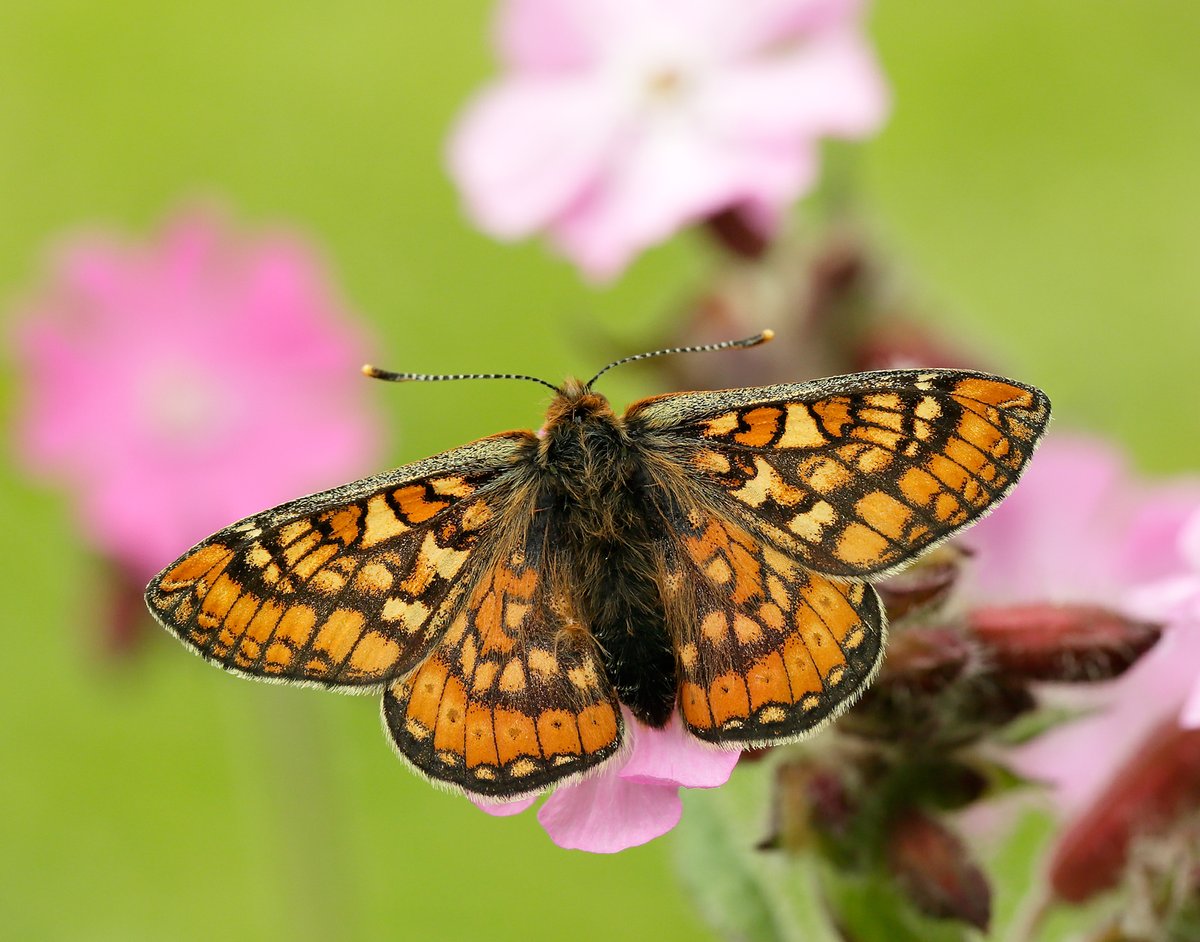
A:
(1031, 725)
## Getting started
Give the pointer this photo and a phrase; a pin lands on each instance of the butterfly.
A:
(705, 553)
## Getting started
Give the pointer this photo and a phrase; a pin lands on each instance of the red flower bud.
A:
(810, 800)
(1157, 785)
(736, 234)
(924, 660)
(932, 868)
(922, 585)
(1060, 642)
(124, 610)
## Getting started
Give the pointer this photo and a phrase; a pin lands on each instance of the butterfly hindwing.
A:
(513, 697)
(767, 651)
(346, 588)
(858, 474)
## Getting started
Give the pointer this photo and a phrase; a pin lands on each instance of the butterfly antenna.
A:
(746, 343)
(375, 373)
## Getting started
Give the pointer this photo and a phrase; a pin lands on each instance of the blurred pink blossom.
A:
(1176, 599)
(630, 801)
(1081, 528)
(178, 385)
(618, 122)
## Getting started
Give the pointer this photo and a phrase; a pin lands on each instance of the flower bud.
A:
(923, 585)
(924, 660)
(811, 801)
(1152, 789)
(932, 868)
(1060, 642)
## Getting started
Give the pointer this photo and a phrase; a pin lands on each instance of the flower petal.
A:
(1189, 541)
(504, 809)
(1190, 717)
(830, 86)
(526, 148)
(667, 176)
(669, 756)
(605, 814)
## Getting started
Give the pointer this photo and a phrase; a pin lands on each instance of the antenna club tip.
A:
(369, 370)
(766, 336)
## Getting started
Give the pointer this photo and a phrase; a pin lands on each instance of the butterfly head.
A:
(577, 404)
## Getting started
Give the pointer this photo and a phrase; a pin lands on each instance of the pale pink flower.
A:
(633, 800)
(177, 385)
(1176, 599)
(1081, 528)
(617, 122)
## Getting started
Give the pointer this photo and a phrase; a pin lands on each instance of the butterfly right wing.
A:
(854, 475)
(513, 697)
(349, 587)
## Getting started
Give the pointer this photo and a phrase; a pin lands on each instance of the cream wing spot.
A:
(800, 429)
(410, 613)
(382, 523)
(715, 626)
(512, 678)
(810, 525)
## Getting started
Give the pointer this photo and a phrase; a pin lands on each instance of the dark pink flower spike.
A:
(924, 585)
(924, 660)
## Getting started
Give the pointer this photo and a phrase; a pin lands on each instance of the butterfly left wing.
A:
(853, 475)
(346, 588)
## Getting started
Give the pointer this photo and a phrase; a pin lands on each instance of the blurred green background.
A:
(1037, 184)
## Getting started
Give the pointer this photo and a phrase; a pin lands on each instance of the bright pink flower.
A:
(620, 121)
(634, 800)
(1080, 528)
(179, 385)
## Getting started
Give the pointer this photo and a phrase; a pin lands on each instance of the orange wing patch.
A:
(513, 697)
(767, 651)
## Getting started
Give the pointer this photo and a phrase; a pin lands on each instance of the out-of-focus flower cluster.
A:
(619, 122)
(921, 741)
(1017, 667)
(176, 385)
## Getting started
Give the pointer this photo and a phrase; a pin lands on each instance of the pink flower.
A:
(1079, 528)
(621, 121)
(178, 385)
(630, 801)
(1176, 599)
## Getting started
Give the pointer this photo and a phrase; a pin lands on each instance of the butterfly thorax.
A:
(595, 492)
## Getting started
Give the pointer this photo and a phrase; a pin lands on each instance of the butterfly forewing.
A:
(345, 588)
(855, 475)
(513, 697)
